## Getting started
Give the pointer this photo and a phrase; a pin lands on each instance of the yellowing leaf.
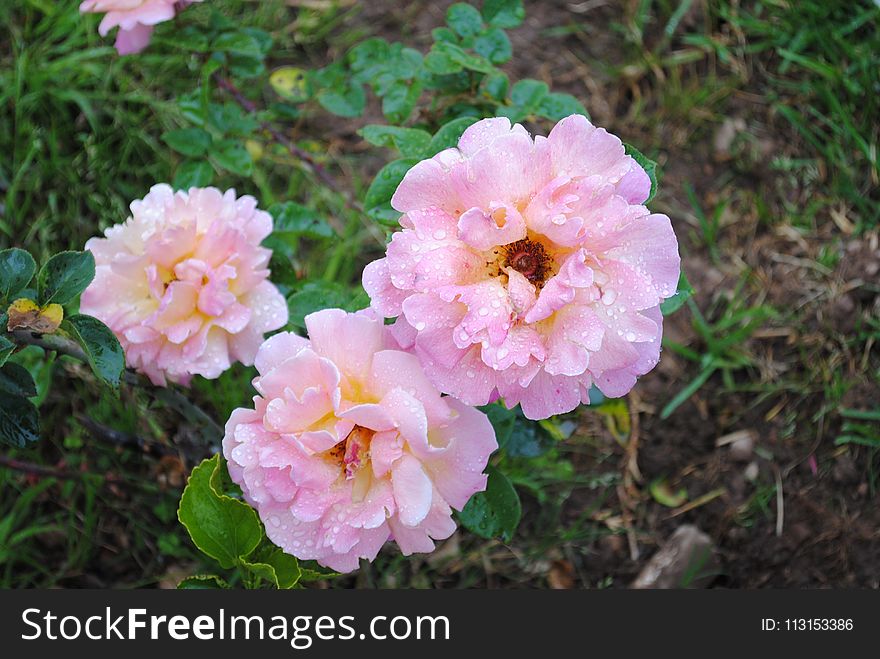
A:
(53, 312)
(27, 314)
(289, 82)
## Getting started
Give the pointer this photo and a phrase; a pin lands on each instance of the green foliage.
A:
(448, 134)
(517, 436)
(15, 380)
(494, 513)
(203, 582)
(17, 268)
(19, 420)
(503, 13)
(315, 295)
(100, 345)
(411, 142)
(377, 201)
(193, 174)
(224, 528)
(64, 276)
(60, 281)
(193, 142)
(296, 220)
(229, 531)
(6, 347)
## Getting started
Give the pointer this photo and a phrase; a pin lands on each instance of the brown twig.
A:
(52, 342)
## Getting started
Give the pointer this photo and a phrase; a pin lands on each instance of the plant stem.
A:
(168, 395)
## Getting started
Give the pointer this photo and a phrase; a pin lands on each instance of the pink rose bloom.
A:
(349, 445)
(134, 18)
(183, 283)
(528, 268)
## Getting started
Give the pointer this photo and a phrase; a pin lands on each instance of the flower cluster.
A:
(349, 445)
(183, 283)
(528, 268)
(134, 18)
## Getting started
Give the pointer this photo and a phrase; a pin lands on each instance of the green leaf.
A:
(230, 119)
(648, 165)
(316, 295)
(316, 575)
(296, 219)
(494, 45)
(444, 34)
(203, 582)
(193, 174)
(19, 421)
(17, 268)
(400, 100)
(348, 102)
(440, 59)
(101, 346)
(16, 380)
(528, 94)
(368, 54)
(7, 347)
(377, 201)
(64, 276)
(190, 38)
(222, 527)
(494, 513)
(449, 134)
(193, 142)
(411, 142)
(557, 106)
(445, 58)
(674, 303)
(271, 563)
(496, 86)
(528, 439)
(465, 20)
(238, 42)
(246, 66)
(502, 420)
(264, 39)
(504, 13)
(231, 155)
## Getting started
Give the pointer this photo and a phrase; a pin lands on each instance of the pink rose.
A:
(183, 283)
(134, 18)
(528, 267)
(349, 445)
